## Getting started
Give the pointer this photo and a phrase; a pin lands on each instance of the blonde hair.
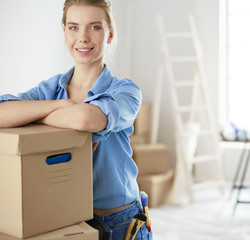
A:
(103, 4)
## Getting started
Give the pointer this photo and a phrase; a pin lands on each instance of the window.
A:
(235, 62)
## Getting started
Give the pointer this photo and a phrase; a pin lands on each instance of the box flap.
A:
(38, 138)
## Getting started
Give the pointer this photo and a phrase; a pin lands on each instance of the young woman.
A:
(89, 98)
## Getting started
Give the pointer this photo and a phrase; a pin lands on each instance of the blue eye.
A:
(73, 28)
(95, 28)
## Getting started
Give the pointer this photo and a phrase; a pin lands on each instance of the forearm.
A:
(82, 117)
(17, 113)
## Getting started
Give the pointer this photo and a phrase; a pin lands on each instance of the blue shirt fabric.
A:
(114, 171)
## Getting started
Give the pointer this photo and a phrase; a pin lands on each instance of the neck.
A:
(86, 75)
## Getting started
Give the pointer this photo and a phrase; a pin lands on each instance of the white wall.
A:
(32, 43)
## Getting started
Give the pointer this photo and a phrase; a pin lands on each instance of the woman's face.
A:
(86, 34)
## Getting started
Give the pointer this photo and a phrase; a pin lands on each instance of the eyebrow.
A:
(91, 23)
(97, 22)
(72, 23)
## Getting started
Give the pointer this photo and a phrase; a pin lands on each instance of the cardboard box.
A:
(81, 231)
(158, 187)
(139, 139)
(142, 124)
(38, 195)
(151, 158)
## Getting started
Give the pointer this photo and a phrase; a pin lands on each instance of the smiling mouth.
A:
(84, 50)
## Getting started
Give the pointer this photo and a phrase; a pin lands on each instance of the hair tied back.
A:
(108, 3)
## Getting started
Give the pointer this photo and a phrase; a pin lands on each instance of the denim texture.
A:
(119, 222)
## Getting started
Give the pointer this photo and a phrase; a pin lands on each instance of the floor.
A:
(210, 217)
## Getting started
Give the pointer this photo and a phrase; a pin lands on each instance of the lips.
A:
(84, 50)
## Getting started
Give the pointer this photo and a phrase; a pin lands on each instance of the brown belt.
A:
(102, 212)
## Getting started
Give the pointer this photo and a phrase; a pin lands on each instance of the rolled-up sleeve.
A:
(110, 108)
(45, 90)
(120, 105)
(8, 97)
(29, 95)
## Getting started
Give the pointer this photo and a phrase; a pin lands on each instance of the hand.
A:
(95, 145)
(62, 103)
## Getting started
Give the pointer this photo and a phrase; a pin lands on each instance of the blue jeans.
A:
(119, 222)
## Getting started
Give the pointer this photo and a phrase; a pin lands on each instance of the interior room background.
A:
(32, 49)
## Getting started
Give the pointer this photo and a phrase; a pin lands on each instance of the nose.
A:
(84, 36)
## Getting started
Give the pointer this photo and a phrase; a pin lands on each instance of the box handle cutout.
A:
(60, 158)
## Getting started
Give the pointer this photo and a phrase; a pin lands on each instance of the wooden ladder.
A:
(194, 121)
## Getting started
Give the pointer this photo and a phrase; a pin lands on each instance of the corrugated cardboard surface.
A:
(142, 123)
(80, 231)
(139, 139)
(37, 197)
(151, 158)
(158, 187)
(38, 138)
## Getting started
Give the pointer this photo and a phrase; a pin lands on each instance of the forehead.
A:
(85, 14)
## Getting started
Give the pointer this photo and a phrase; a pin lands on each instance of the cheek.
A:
(68, 39)
(103, 40)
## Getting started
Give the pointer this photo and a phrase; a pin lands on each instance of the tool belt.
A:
(139, 219)
(105, 233)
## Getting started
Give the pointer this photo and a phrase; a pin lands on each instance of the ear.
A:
(110, 37)
(64, 28)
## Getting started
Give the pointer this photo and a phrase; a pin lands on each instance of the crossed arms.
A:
(58, 113)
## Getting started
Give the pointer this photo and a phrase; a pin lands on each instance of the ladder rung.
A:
(179, 35)
(207, 184)
(205, 158)
(184, 59)
(191, 108)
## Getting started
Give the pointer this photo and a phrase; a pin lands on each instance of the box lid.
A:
(38, 138)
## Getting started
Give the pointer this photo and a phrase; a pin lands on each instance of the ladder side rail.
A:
(179, 127)
(157, 99)
(177, 115)
(194, 97)
(170, 76)
(199, 53)
(169, 71)
(155, 116)
(214, 137)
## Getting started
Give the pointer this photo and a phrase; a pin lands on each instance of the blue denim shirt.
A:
(114, 171)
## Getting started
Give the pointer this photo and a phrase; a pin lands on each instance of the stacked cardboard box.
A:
(81, 231)
(45, 180)
(153, 161)
(142, 125)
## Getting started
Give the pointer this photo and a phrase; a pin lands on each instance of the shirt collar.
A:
(65, 78)
(102, 83)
